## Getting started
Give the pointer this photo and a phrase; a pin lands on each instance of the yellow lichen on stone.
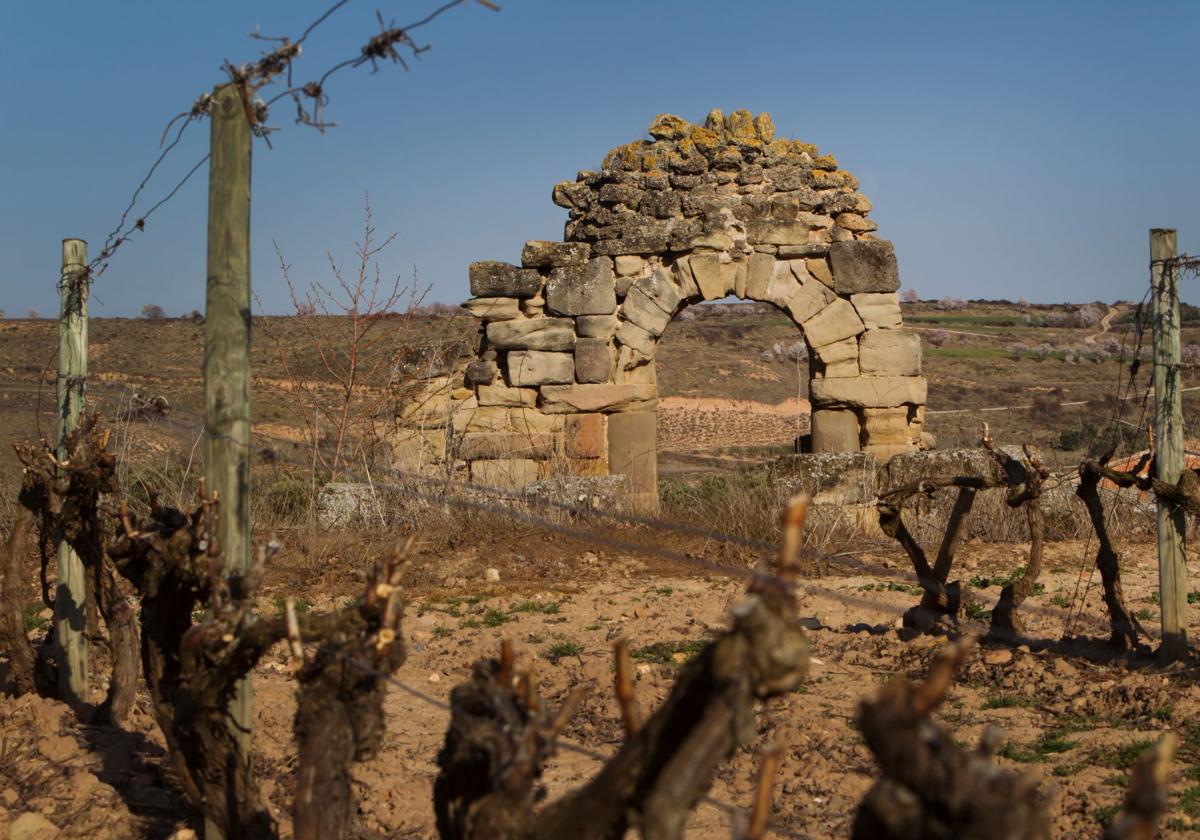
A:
(715, 122)
(779, 148)
(669, 127)
(840, 179)
(686, 147)
(828, 162)
(799, 147)
(765, 126)
(627, 157)
(656, 155)
(740, 126)
(706, 140)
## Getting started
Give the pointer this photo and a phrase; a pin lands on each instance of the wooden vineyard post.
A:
(227, 348)
(1168, 439)
(70, 594)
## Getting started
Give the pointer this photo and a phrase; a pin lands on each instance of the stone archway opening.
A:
(563, 380)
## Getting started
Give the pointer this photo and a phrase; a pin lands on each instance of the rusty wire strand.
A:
(251, 78)
(381, 46)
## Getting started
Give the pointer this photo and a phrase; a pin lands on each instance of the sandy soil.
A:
(557, 595)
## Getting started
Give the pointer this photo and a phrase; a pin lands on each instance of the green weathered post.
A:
(227, 347)
(70, 596)
(1168, 441)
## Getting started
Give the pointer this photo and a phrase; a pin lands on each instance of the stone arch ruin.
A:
(563, 381)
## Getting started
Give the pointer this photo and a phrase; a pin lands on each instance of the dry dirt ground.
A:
(1071, 715)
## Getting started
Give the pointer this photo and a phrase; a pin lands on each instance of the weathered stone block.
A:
(968, 461)
(890, 353)
(637, 338)
(635, 369)
(480, 373)
(838, 478)
(589, 289)
(640, 310)
(473, 446)
(835, 431)
(586, 436)
(533, 307)
(596, 326)
(492, 418)
(878, 309)
(835, 322)
(817, 244)
(506, 473)
(783, 285)
(428, 404)
(494, 308)
(499, 279)
(855, 222)
(504, 396)
(339, 503)
(415, 449)
(891, 427)
(758, 275)
(532, 334)
(536, 367)
(634, 242)
(623, 285)
(811, 299)
(684, 278)
(706, 269)
(590, 492)
(556, 399)
(773, 232)
(839, 352)
(869, 391)
(541, 254)
(594, 360)
(864, 266)
(629, 265)
(819, 268)
(661, 290)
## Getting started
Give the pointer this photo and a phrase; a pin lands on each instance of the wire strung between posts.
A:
(382, 46)
(250, 78)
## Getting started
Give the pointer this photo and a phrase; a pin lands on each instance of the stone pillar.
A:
(633, 452)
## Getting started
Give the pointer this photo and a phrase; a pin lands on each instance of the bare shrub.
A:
(937, 338)
(337, 364)
(1088, 315)
(153, 312)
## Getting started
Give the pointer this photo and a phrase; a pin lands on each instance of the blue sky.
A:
(1011, 149)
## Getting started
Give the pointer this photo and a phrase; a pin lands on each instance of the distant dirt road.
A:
(1105, 323)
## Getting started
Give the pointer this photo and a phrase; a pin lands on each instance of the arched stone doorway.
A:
(564, 380)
